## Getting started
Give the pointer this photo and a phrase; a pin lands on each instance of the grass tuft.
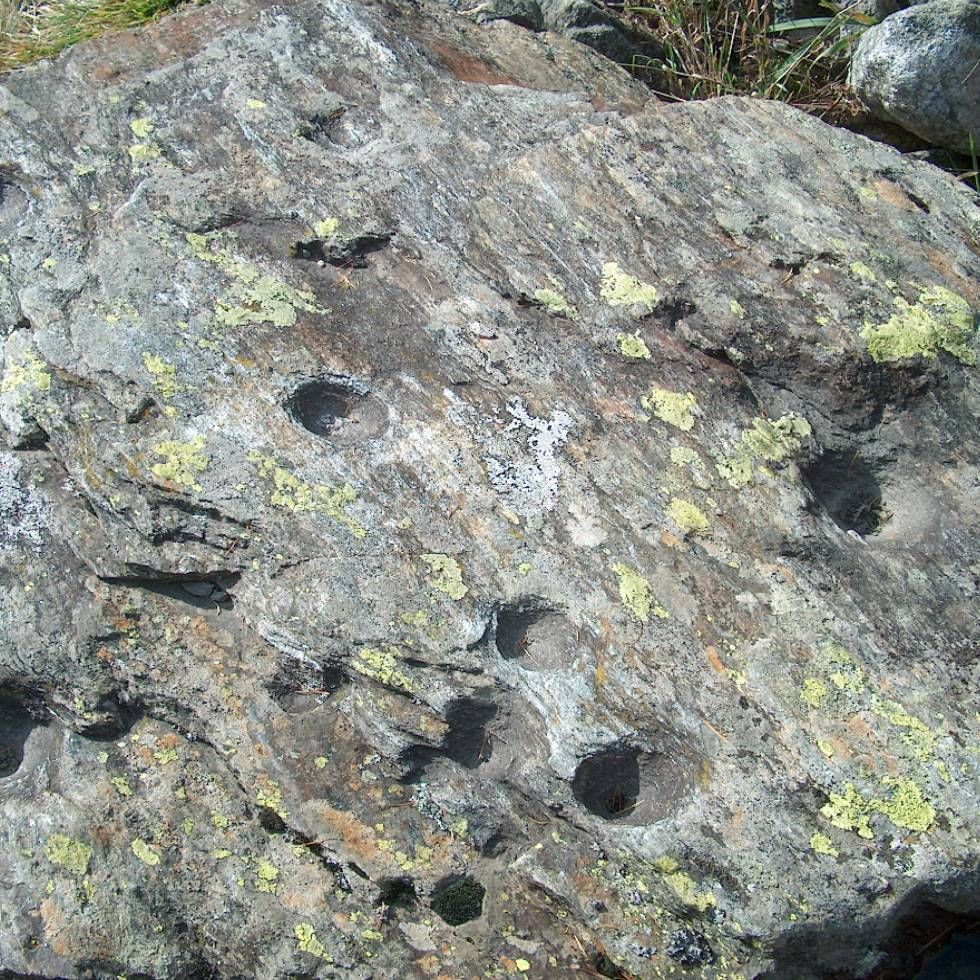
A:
(34, 29)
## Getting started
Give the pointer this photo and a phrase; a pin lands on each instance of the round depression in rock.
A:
(339, 411)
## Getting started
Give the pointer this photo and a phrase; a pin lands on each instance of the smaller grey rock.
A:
(524, 13)
(919, 69)
(600, 30)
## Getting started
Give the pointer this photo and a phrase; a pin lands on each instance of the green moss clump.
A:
(940, 320)
(70, 854)
(460, 901)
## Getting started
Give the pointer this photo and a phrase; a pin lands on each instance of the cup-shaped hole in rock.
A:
(847, 487)
(540, 639)
(458, 899)
(632, 785)
(299, 688)
(338, 411)
(468, 740)
(16, 723)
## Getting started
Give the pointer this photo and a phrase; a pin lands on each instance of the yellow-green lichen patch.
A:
(383, 667)
(636, 595)
(255, 105)
(555, 303)
(268, 794)
(618, 288)
(142, 128)
(940, 320)
(862, 271)
(905, 807)
(182, 462)
(813, 692)
(737, 309)
(445, 575)
(682, 456)
(143, 152)
(68, 853)
(684, 886)
(27, 370)
(822, 844)
(145, 852)
(772, 442)
(163, 374)
(121, 785)
(633, 345)
(266, 875)
(291, 493)
(671, 407)
(269, 300)
(326, 228)
(307, 942)
(918, 736)
(690, 519)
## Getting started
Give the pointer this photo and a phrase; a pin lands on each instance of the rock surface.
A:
(919, 69)
(461, 517)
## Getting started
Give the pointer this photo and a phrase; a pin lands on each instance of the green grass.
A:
(34, 29)
(718, 47)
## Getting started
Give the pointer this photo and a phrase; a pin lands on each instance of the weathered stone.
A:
(357, 589)
(918, 68)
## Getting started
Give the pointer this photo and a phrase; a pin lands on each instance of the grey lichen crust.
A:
(461, 517)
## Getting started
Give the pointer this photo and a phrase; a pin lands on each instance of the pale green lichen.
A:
(618, 288)
(633, 345)
(636, 595)
(684, 886)
(772, 442)
(382, 666)
(671, 407)
(813, 692)
(445, 575)
(826, 747)
(269, 300)
(68, 853)
(27, 370)
(918, 736)
(268, 794)
(307, 942)
(142, 128)
(121, 785)
(145, 852)
(291, 493)
(143, 152)
(906, 808)
(737, 309)
(940, 320)
(255, 104)
(862, 271)
(682, 456)
(689, 518)
(164, 375)
(326, 228)
(822, 844)
(555, 303)
(266, 874)
(183, 461)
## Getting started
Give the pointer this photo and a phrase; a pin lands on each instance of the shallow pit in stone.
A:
(626, 783)
(338, 410)
(847, 488)
(458, 899)
(16, 724)
(468, 740)
(299, 688)
(538, 638)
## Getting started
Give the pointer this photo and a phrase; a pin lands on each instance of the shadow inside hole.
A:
(468, 740)
(299, 687)
(847, 487)
(539, 638)
(200, 592)
(626, 783)
(337, 411)
(458, 899)
(16, 724)
(396, 892)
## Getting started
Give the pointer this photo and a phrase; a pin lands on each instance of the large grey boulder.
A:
(919, 69)
(461, 517)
